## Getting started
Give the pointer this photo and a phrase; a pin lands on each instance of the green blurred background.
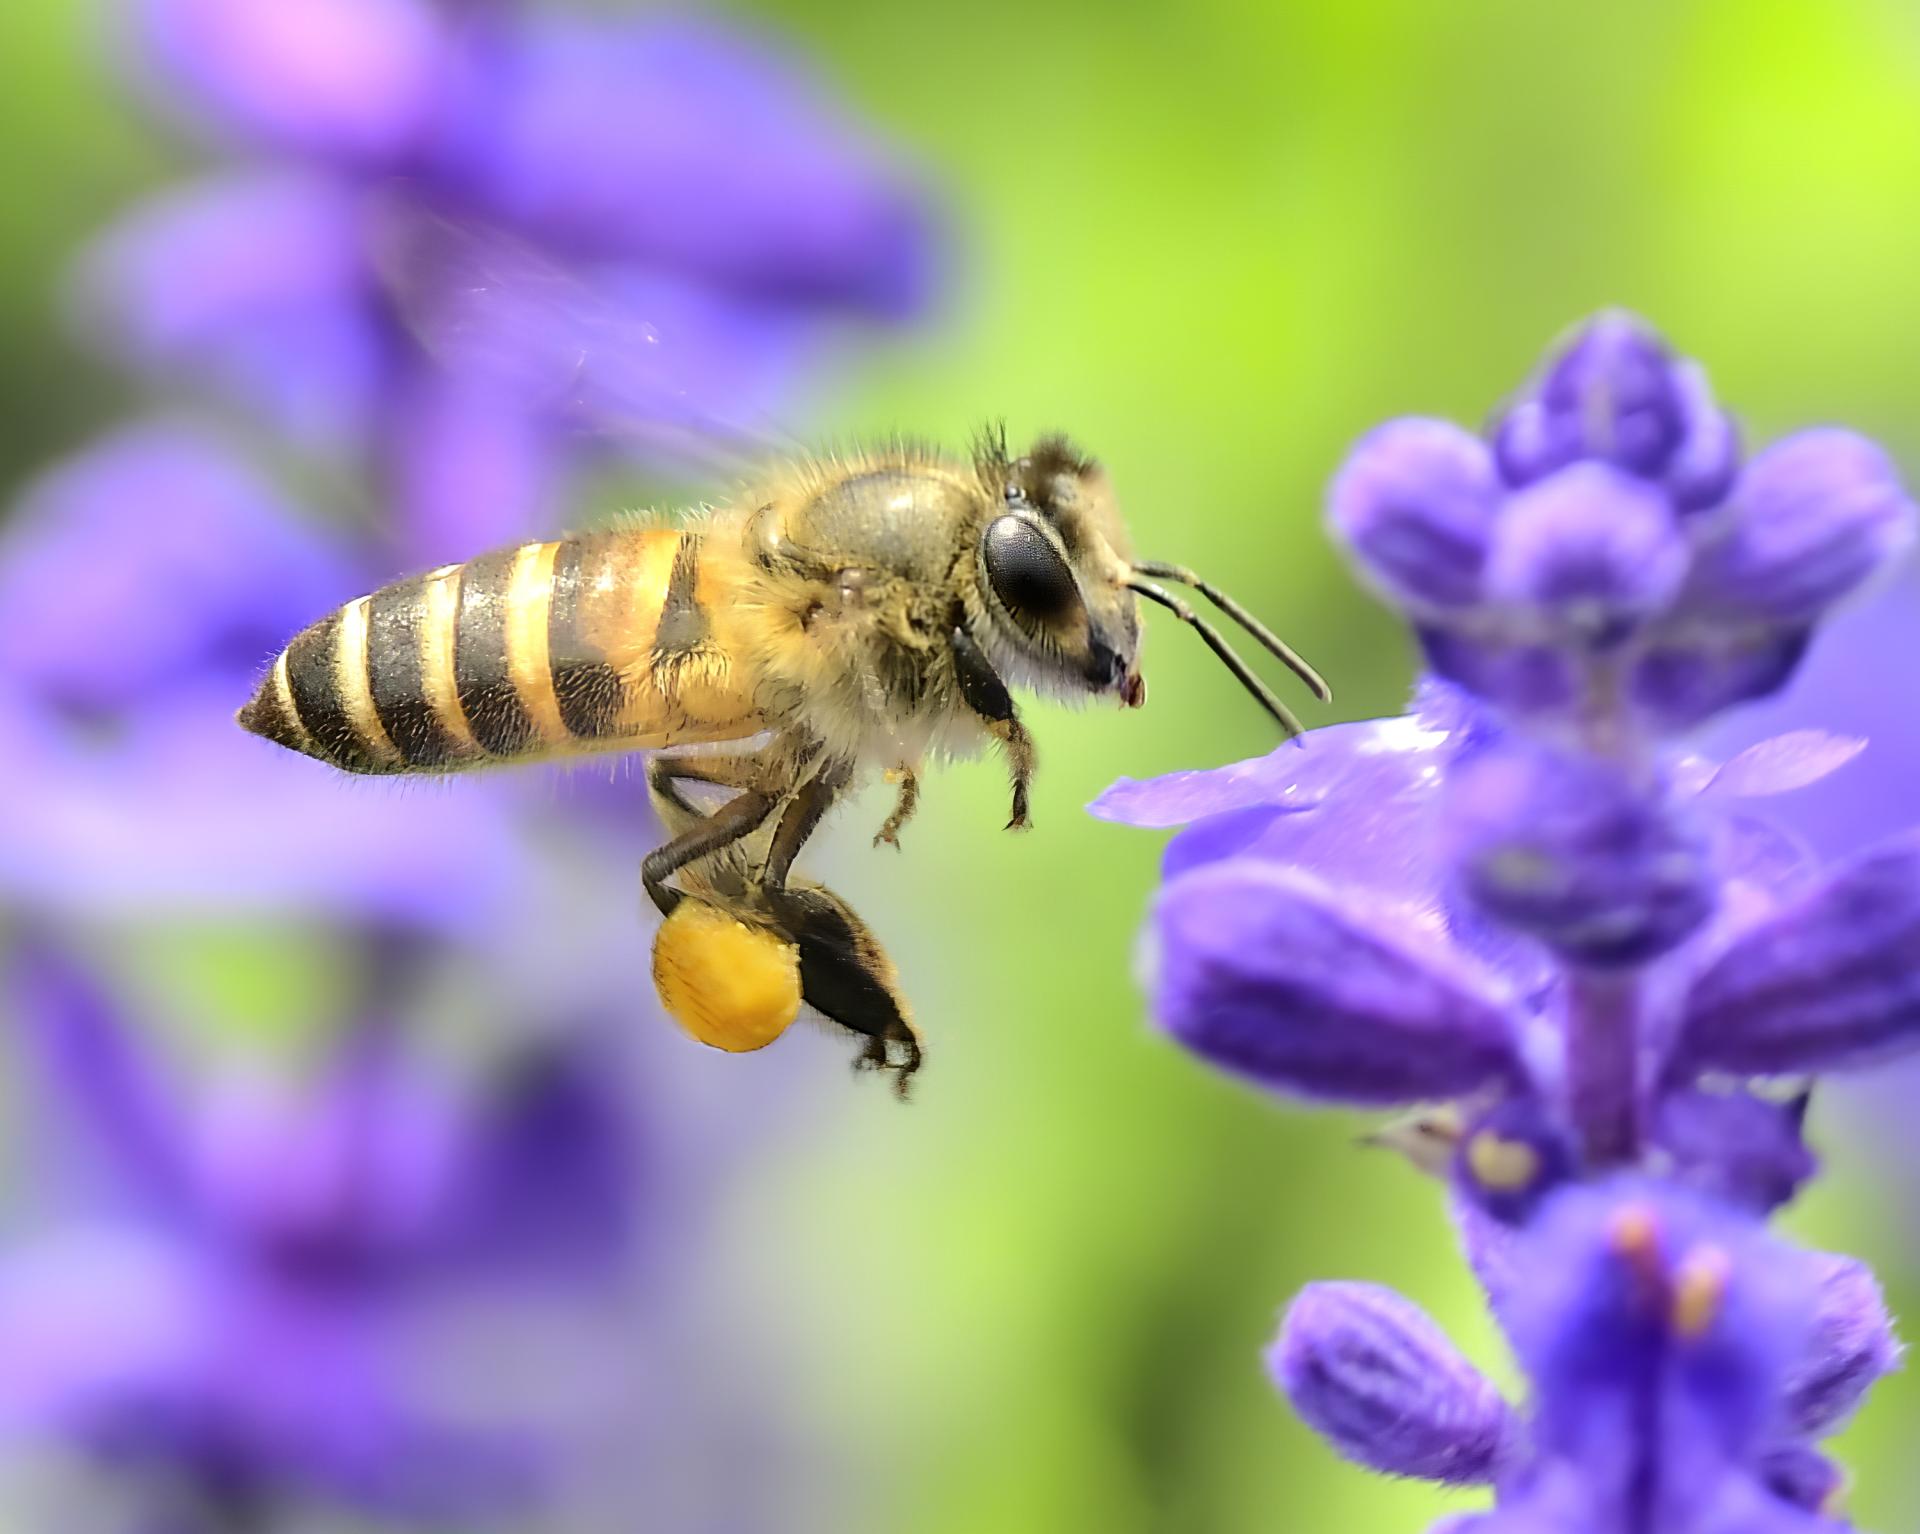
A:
(1214, 242)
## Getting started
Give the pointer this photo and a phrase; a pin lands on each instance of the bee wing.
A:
(650, 361)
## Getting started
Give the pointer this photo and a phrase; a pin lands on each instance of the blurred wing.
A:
(657, 365)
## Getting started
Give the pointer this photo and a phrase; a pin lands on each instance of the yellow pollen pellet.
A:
(727, 984)
(1505, 1166)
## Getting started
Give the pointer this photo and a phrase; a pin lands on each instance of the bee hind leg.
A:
(739, 817)
(846, 975)
(844, 972)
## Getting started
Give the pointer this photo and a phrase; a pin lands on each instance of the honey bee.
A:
(854, 613)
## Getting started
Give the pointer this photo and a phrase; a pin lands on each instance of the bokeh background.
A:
(1215, 242)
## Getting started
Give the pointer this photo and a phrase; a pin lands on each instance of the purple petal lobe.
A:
(1590, 553)
(1814, 516)
(1572, 852)
(255, 288)
(688, 147)
(1264, 972)
(1829, 981)
(353, 80)
(1370, 1373)
(1851, 1347)
(1415, 501)
(194, 565)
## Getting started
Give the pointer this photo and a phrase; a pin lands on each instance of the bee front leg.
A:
(984, 693)
(907, 801)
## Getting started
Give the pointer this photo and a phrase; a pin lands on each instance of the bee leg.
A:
(738, 817)
(844, 972)
(983, 692)
(903, 807)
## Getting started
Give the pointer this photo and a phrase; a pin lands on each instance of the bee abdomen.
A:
(437, 673)
(513, 655)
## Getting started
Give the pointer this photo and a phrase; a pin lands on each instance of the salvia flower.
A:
(1593, 966)
(233, 1319)
(1684, 1367)
(466, 244)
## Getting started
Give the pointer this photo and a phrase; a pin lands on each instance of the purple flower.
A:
(1570, 946)
(147, 578)
(1669, 1347)
(484, 239)
(1604, 545)
(241, 1322)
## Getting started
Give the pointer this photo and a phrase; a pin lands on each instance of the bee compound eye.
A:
(1027, 572)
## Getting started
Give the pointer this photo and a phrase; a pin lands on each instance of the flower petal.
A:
(354, 80)
(257, 288)
(1832, 980)
(1782, 763)
(1369, 1372)
(1263, 971)
(693, 149)
(195, 567)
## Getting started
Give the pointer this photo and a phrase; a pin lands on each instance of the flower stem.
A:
(1603, 1066)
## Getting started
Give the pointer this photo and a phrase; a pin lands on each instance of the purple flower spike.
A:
(1415, 501)
(1828, 982)
(1590, 555)
(1814, 517)
(1370, 1373)
(1852, 1346)
(1264, 972)
(1573, 852)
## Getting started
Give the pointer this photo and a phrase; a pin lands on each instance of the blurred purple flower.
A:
(484, 239)
(1672, 1351)
(146, 580)
(241, 1322)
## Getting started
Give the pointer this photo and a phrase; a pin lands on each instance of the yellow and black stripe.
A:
(504, 658)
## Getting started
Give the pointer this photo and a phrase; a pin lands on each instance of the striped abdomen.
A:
(589, 644)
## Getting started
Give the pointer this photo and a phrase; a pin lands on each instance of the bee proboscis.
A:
(850, 613)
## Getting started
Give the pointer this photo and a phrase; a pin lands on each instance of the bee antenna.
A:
(1263, 694)
(1270, 641)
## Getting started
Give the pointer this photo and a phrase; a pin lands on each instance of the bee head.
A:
(1054, 564)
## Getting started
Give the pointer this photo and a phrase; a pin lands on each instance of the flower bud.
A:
(1415, 501)
(1368, 1371)
(1589, 555)
(1263, 971)
(1569, 850)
